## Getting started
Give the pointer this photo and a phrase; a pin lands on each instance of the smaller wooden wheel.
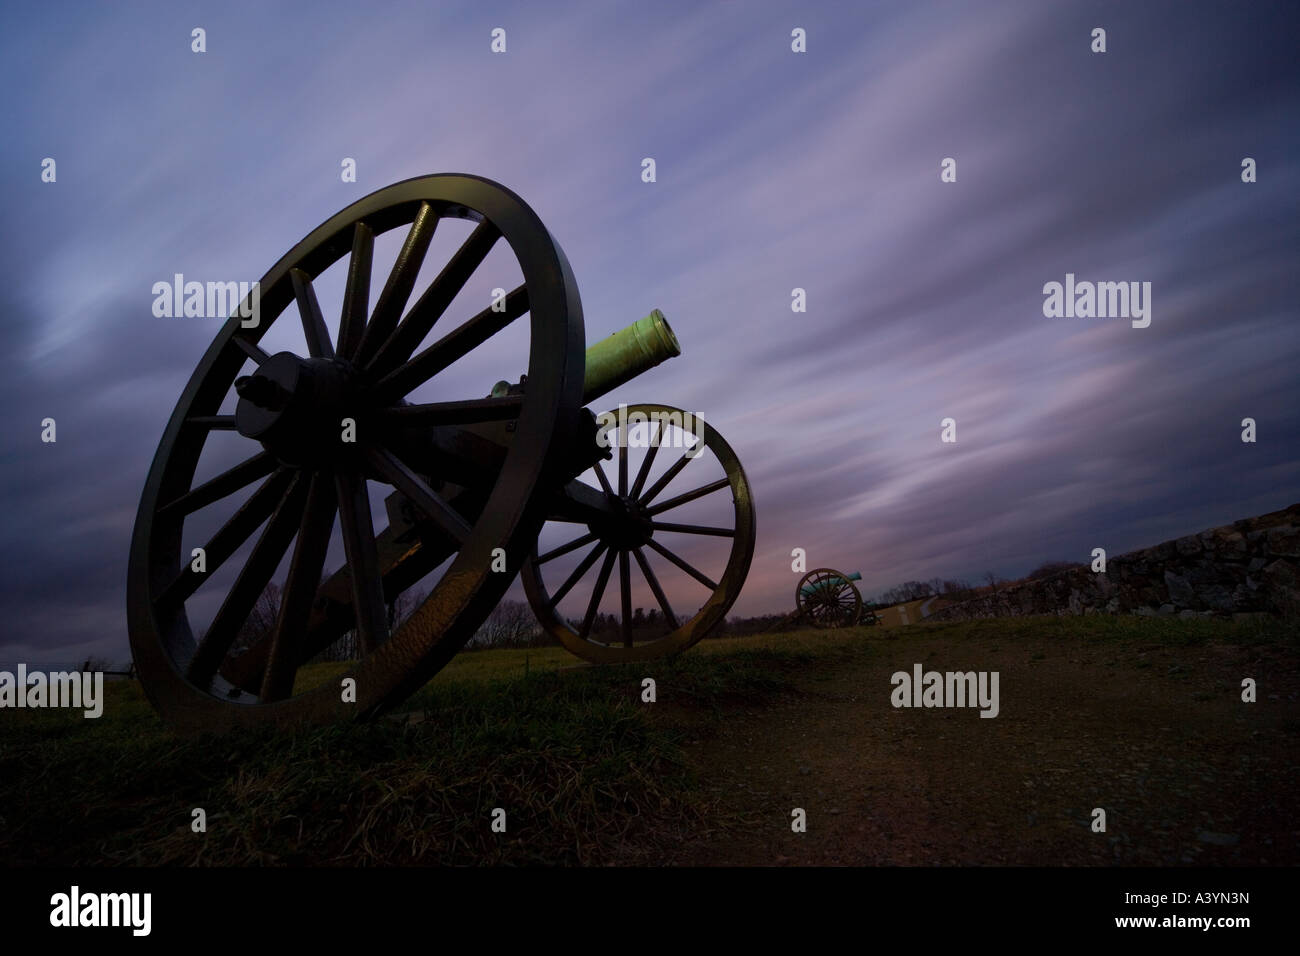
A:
(826, 598)
(683, 522)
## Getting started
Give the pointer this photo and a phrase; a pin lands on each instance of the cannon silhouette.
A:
(829, 598)
(300, 425)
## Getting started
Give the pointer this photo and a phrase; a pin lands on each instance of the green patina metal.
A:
(831, 582)
(627, 353)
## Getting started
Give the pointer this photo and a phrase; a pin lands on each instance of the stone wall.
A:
(1250, 566)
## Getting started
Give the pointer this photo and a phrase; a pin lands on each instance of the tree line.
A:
(513, 624)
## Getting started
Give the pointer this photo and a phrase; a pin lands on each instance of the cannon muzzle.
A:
(627, 353)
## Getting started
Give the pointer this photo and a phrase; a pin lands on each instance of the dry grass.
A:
(587, 773)
(584, 776)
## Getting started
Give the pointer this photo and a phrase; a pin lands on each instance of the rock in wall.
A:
(1249, 566)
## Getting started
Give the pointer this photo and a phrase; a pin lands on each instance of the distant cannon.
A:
(316, 418)
(828, 598)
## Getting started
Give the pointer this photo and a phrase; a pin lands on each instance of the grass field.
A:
(1140, 715)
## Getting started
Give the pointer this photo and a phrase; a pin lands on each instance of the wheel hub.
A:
(626, 528)
(296, 408)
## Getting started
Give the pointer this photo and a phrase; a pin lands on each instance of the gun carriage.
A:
(828, 598)
(368, 416)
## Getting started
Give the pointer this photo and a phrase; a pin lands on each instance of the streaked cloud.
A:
(775, 171)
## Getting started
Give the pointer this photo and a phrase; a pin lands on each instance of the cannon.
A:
(293, 432)
(829, 598)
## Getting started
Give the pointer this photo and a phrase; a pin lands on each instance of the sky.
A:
(775, 170)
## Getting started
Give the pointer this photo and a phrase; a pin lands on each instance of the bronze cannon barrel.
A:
(831, 582)
(627, 353)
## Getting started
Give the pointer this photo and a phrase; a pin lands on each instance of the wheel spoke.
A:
(452, 346)
(424, 497)
(313, 323)
(577, 574)
(430, 307)
(694, 529)
(667, 476)
(597, 593)
(622, 466)
(300, 587)
(226, 483)
(363, 561)
(469, 412)
(356, 296)
(625, 594)
(573, 545)
(604, 482)
(654, 586)
(250, 349)
(392, 301)
(224, 423)
(248, 587)
(229, 537)
(703, 579)
(690, 496)
(644, 471)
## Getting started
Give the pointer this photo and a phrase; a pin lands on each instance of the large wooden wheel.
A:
(467, 467)
(694, 521)
(826, 598)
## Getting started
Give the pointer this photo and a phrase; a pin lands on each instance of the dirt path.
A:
(901, 615)
(1155, 735)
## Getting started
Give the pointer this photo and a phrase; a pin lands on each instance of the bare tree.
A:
(511, 624)
(348, 648)
(960, 590)
(403, 606)
(907, 591)
(261, 620)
